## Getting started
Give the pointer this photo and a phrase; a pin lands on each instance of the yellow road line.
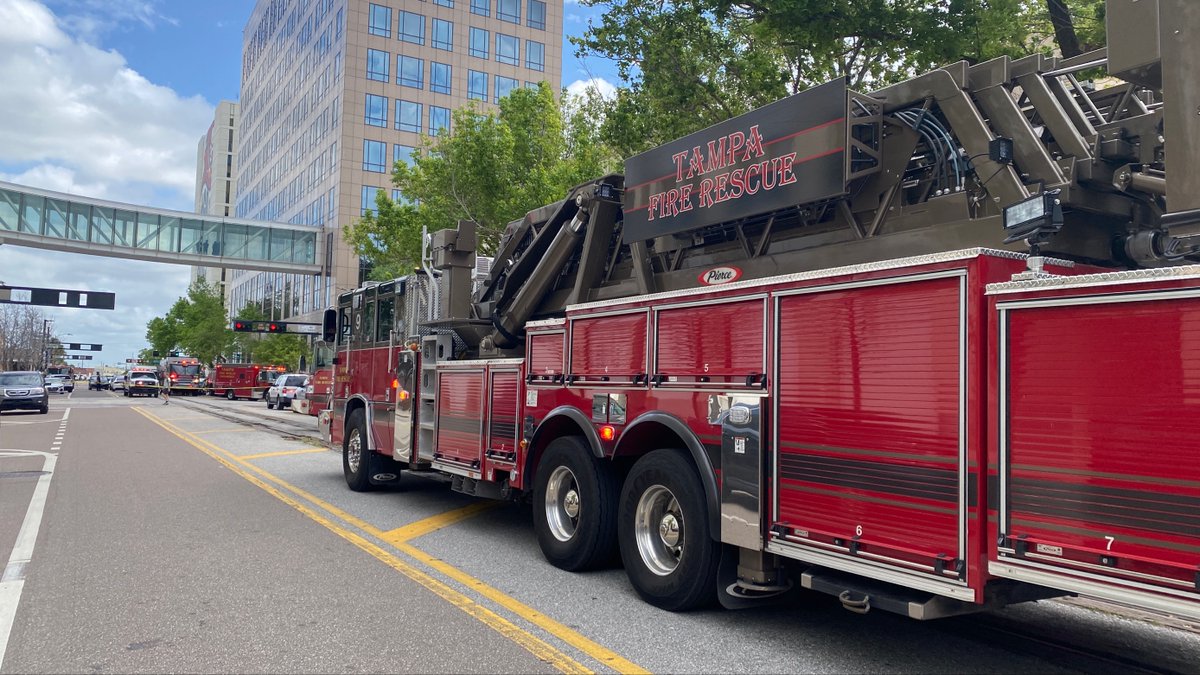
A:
(282, 453)
(434, 523)
(558, 630)
(530, 642)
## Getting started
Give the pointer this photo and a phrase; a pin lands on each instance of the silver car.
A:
(284, 390)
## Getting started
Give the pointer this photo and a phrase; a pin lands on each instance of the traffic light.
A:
(276, 327)
(243, 326)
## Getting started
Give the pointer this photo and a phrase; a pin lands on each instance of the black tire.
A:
(570, 478)
(680, 577)
(358, 477)
(44, 409)
(270, 406)
(230, 395)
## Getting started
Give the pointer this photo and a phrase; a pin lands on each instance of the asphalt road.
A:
(217, 536)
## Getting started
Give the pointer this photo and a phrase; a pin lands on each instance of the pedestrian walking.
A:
(166, 392)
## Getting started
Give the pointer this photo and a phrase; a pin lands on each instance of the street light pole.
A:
(46, 344)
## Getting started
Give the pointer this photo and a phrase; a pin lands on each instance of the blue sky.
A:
(108, 98)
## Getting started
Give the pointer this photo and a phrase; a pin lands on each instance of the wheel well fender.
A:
(358, 402)
(654, 430)
(561, 421)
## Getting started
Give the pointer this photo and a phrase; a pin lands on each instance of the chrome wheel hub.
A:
(658, 529)
(354, 451)
(562, 505)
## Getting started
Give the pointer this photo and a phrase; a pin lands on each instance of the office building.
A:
(334, 91)
(216, 176)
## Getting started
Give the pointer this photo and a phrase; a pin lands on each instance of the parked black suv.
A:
(23, 390)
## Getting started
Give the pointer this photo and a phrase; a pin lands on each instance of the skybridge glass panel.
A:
(190, 234)
(123, 228)
(234, 244)
(56, 218)
(210, 243)
(31, 214)
(257, 243)
(77, 226)
(10, 210)
(147, 231)
(101, 231)
(306, 247)
(281, 245)
(168, 235)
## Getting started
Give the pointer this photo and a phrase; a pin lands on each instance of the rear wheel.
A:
(270, 405)
(663, 531)
(230, 395)
(356, 462)
(575, 506)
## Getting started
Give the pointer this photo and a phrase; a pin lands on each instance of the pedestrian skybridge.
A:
(61, 222)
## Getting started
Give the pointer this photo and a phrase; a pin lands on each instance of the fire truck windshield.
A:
(185, 369)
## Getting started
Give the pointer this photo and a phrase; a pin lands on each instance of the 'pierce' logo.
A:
(720, 275)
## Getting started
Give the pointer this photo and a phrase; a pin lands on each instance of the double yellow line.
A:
(398, 538)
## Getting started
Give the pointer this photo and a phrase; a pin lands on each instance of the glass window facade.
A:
(443, 35)
(376, 113)
(508, 49)
(408, 116)
(479, 43)
(508, 10)
(477, 85)
(410, 71)
(378, 63)
(439, 77)
(481, 7)
(412, 27)
(402, 153)
(379, 21)
(368, 198)
(444, 3)
(374, 156)
(439, 120)
(535, 55)
(505, 86)
(536, 16)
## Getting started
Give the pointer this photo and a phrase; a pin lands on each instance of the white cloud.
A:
(78, 119)
(66, 103)
(592, 85)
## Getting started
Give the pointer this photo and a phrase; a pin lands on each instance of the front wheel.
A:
(356, 462)
(575, 506)
(669, 555)
(230, 395)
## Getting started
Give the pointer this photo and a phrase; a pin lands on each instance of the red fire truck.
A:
(928, 349)
(319, 390)
(182, 375)
(244, 380)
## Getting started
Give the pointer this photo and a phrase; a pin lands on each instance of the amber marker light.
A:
(608, 432)
(403, 395)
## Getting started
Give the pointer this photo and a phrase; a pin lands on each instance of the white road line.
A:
(12, 581)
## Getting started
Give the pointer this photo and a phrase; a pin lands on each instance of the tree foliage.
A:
(688, 64)
(195, 325)
(489, 168)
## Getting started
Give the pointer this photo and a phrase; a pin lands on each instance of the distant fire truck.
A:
(182, 375)
(244, 380)
(936, 347)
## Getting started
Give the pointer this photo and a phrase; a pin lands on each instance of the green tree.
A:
(489, 168)
(195, 325)
(687, 64)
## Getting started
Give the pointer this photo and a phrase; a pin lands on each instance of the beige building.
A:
(334, 91)
(216, 176)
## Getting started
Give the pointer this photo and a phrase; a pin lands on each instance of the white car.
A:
(118, 383)
(55, 386)
(284, 390)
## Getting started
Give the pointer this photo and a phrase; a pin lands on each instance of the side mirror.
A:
(329, 325)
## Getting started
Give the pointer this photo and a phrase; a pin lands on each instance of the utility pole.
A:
(46, 344)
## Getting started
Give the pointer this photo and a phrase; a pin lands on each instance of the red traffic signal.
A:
(275, 327)
(243, 326)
